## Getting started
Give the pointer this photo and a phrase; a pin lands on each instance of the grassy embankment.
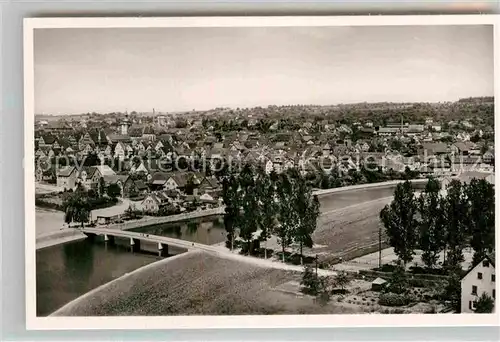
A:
(197, 283)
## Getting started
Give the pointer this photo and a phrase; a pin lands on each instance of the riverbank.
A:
(157, 220)
(55, 238)
(197, 283)
(51, 229)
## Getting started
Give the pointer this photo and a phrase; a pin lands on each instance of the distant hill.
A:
(481, 108)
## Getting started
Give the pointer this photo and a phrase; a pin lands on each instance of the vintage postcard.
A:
(260, 172)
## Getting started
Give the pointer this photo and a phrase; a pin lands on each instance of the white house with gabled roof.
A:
(480, 279)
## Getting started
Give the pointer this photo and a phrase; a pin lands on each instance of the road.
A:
(117, 209)
(44, 188)
(217, 250)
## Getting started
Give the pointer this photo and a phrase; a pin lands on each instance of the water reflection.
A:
(65, 272)
(78, 259)
(207, 231)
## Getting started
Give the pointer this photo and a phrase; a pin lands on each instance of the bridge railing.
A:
(151, 220)
(320, 192)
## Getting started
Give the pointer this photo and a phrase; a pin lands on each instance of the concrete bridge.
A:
(417, 183)
(135, 239)
(163, 243)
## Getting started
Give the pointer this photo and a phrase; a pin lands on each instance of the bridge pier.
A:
(135, 245)
(162, 249)
(110, 239)
(90, 236)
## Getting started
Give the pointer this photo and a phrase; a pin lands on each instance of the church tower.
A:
(125, 124)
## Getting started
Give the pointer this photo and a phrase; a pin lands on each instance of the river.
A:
(65, 272)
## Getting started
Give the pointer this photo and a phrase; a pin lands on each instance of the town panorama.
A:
(299, 209)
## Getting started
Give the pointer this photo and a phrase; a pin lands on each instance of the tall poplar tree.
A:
(232, 215)
(399, 219)
(431, 227)
(285, 225)
(267, 201)
(481, 196)
(456, 217)
(306, 208)
(249, 205)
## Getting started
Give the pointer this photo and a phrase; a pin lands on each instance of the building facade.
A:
(480, 279)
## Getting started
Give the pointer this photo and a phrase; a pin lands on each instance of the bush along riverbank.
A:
(57, 201)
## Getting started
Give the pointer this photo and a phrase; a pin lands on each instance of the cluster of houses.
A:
(131, 154)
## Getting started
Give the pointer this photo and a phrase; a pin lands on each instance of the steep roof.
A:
(112, 179)
(379, 281)
(180, 179)
(49, 139)
(140, 184)
(119, 137)
(435, 147)
(105, 170)
(66, 172)
(490, 257)
(462, 146)
(466, 177)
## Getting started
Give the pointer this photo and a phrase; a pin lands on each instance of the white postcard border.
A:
(215, 322)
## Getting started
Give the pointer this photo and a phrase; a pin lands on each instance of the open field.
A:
(197, 283)
(350, 230)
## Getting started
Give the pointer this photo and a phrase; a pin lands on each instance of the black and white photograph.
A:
(235, 167)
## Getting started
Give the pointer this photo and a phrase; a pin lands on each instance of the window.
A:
(492, 277)
(474, 303)
(494, 293)
(474, 289)
(486, 263)
(479, 275)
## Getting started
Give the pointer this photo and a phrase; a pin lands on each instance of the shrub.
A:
(385, 268)
(393, 299)
(398, 283)
(342, 280)
(418, 282)
(323, 297)
(39, 202)
(431, 310)
(310, 281)
(340, 291)
(485, 304)
(427, 271)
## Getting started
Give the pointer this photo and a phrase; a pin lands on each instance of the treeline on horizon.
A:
(411, 111)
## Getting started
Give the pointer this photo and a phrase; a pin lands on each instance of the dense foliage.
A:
(260, 204)
(435, 222)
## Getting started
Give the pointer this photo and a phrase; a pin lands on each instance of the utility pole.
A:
(379, 246)
(316, 266)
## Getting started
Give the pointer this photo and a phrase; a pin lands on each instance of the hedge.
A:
(95, 203)
(393, 299)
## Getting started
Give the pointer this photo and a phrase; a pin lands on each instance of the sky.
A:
(177, 69)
